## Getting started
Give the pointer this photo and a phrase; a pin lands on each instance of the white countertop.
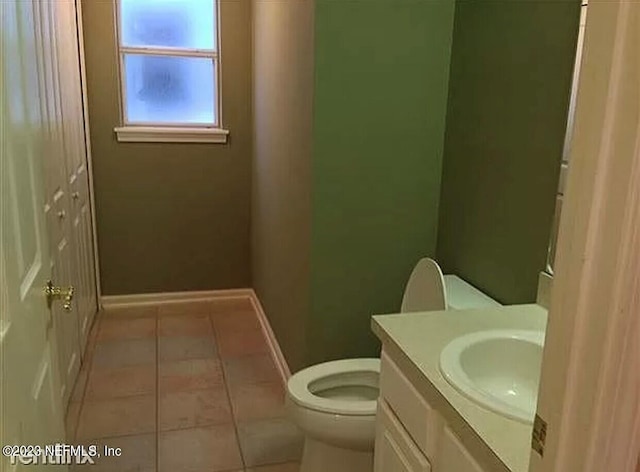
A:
(415, 340)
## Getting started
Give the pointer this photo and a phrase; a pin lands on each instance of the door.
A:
(67, 206)
(32, 411)
(453, 456)
(395, 451)
(588, 404)
(76, 166)
(57, 202)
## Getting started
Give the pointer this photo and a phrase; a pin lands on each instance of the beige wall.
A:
(171, 217)
(283, 68)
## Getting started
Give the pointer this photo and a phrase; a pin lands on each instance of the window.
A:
(169, 70)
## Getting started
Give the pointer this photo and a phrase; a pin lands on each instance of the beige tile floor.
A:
(183, 389)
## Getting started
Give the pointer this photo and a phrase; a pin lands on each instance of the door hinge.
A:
(539, 435)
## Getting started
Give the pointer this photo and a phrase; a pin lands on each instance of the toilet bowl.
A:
(334, 403)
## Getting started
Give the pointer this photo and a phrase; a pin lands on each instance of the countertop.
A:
(414, 342)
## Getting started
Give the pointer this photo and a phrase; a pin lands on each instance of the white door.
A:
(75, 163)
(67, 197)
(57, 198)
(590, 382)
(395, 451)
(29, 384)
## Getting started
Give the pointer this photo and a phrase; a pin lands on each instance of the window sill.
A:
(152, 134)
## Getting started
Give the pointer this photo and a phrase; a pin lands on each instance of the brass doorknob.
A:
(59, 293)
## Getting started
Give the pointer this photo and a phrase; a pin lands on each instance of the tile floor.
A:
(183, 388)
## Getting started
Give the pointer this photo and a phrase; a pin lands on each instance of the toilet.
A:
(334, 403)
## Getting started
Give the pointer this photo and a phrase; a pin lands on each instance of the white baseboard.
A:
(163, 298)
(274, 347)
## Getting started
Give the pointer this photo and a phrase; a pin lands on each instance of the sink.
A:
(497, 369)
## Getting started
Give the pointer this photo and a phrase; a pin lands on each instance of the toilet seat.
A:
(425, 290)
(308, 388)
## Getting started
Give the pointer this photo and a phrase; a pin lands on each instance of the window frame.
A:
(178, 131)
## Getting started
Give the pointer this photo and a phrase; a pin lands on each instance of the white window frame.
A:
(174, 132)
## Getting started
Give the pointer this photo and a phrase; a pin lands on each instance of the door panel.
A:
(75, 157)
(453, 455)
(67, 204)
(395, 451)
(32, 412)
(590, 381)
(57, 198)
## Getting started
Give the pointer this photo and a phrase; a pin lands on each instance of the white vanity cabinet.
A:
(453, 457)
(411, 436)
(395, 450)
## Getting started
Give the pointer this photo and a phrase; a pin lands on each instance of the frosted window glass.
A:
(170, 89)
(169, 23)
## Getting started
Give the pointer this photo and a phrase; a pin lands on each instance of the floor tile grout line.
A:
(118, 436)
(189, 390)
(228, 392)
(257, 354)
(198, 426)
(271, 464)
(98, 439)
(120, 397)
(259, 384)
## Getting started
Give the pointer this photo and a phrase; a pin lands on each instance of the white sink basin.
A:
(497, 369)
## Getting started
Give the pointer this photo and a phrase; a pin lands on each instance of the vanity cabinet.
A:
(395, 451)
(411, 436)
(453, 457)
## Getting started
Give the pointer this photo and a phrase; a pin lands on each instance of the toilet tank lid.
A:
(462, 295)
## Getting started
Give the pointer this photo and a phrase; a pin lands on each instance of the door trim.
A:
(87, 140)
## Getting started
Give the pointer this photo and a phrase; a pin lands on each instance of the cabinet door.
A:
(454, 457)
(419, 420)
(395, 451)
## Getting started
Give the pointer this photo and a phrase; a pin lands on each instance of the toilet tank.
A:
(464, 296)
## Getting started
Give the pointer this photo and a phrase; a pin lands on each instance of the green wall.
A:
(509, 90)
(381, 74)
(412, 143)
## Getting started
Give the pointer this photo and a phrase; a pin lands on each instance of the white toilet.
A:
(334, 403)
